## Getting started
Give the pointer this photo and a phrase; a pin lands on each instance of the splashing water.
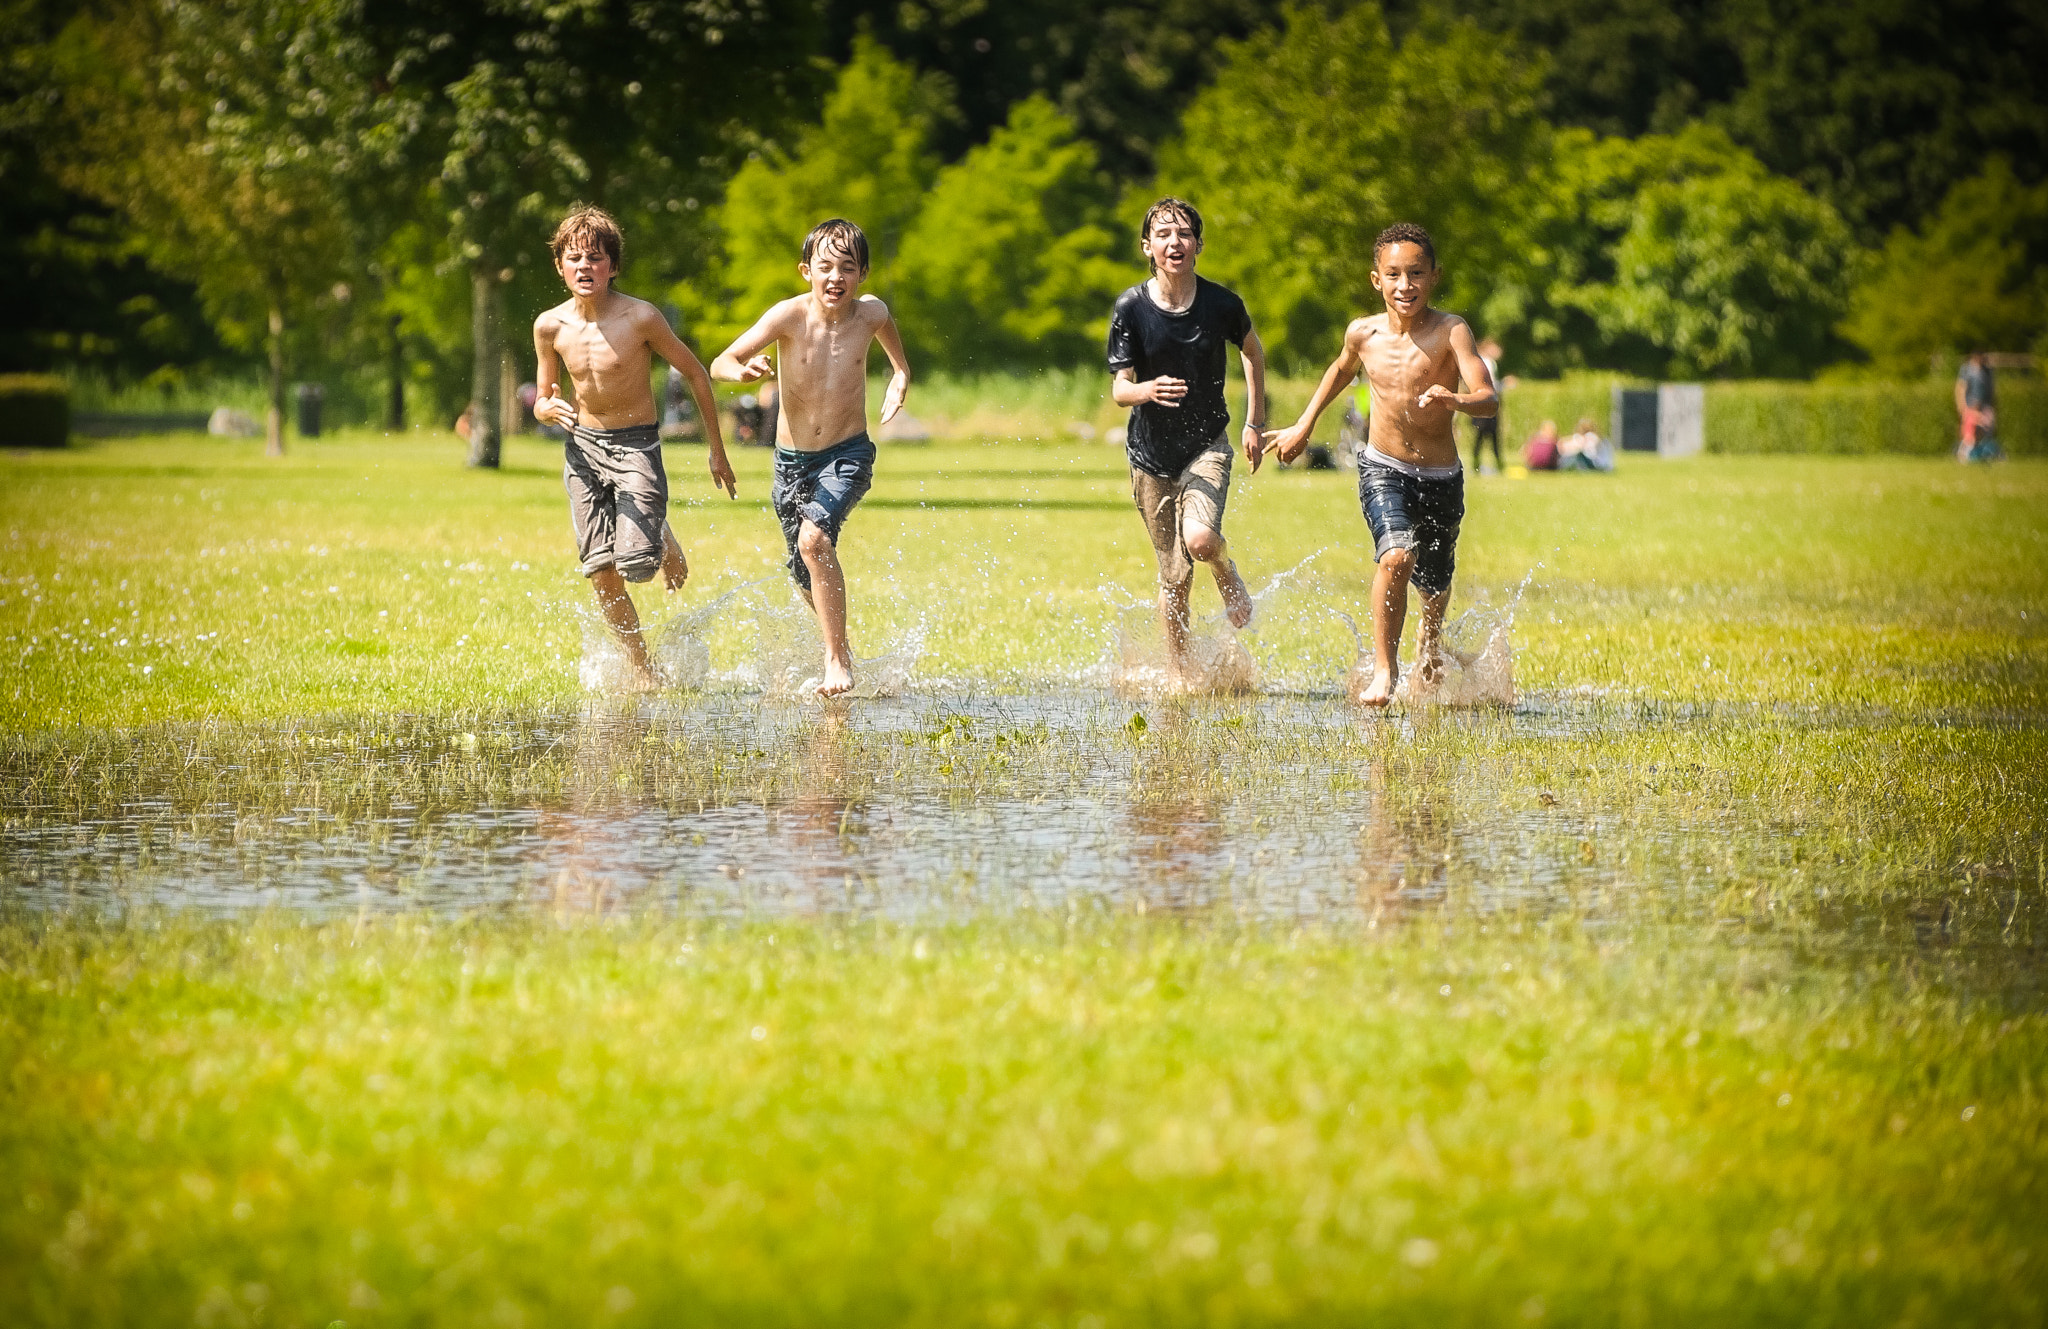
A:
(1476, 666)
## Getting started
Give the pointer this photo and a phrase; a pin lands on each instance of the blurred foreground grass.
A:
(1074, 1122)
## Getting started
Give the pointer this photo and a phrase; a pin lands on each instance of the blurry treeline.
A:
(360, 190)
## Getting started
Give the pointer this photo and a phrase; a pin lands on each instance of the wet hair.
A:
(1404, 233)
(841, 234)
(1164, 206)
(587, 226)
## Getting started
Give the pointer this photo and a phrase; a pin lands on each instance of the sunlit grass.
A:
(1078, 1121)
(1706, 986)
(163, 580)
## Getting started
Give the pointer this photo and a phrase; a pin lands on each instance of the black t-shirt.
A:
(1150, 342)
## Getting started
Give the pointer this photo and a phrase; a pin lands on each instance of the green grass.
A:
(369, 575)
(649, 1123)
(1706, 988)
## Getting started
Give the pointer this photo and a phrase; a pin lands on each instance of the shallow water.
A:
(1276, 808)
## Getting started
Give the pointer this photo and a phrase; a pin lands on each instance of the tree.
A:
(1009, 262)
(213, 128)
(1881, 108)
(1313, 139)
(522, 107)
(869, 159)
(1681, 256)
(73, 276)
(1121, 72)
(1973, 278)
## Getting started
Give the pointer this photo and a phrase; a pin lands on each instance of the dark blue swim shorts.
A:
(1418, 512)
(821, 488)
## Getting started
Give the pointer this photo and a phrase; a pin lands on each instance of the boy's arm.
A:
(662, 340)
(1485, 399)
(1290, 441)
(892, 346)
(1252, 352)
(548, 406)
(744, 361)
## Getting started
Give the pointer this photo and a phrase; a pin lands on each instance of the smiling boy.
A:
(1409, 481)
(618, 486)
(824, 460)
(1166, 338)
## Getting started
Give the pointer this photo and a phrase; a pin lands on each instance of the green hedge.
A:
(1766, 415)
(1865, 417)
(35, 411)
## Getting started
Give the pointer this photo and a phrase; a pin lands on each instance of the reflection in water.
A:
(1404, 840)
(1268, 807)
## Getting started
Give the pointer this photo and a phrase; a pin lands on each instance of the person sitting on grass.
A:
(824, 460)
(1410, 483)
(1542, 450)
(1166, 339)
(1585, 450)
(618, 486)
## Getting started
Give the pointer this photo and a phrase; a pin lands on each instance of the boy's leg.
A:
(1389, 616)
(840, 483)
(1438, 513)
(1158, 501)
(593, 515)
(617, 607)
(1205, 489)
(828, 600)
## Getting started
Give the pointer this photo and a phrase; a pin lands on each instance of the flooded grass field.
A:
(364, 959)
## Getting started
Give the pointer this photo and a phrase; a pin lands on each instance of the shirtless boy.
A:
(618, 487)
(1409, 480)
(824, 460)
(1166, 339)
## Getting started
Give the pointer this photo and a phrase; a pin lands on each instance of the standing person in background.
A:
(1486, 428)
(1977, 411)
(1166, 338)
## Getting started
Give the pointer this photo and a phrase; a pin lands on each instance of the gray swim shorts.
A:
(1195, 498)
(618, 498)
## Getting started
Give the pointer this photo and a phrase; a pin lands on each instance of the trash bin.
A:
(310, 397)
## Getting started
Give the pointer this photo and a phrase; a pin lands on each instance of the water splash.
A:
(1217, 663)
(1476, 667)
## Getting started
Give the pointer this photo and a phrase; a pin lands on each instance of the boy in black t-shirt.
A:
(1166, 340)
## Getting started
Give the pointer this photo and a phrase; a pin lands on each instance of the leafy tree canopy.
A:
(1672, 255)
(1014, 258)
(1315, 137)
(870, 160)
(1973, 278)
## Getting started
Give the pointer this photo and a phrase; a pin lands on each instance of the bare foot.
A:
(644, 680)
(1431, 669)
(1237, 600)
(1379, 692)
(838, 680)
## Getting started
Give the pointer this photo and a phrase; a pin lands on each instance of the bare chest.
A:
(825, 357)
(1400, 365)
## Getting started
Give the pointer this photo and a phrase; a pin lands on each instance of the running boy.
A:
(1166, 340)
(618, 487)
(1409, 480)
(824, 460)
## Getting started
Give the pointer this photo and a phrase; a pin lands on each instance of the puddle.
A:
(1292, 807)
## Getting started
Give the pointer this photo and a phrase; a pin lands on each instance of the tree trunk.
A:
(273, 420)
(394, 408)
(486, 365)
(508, 391)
